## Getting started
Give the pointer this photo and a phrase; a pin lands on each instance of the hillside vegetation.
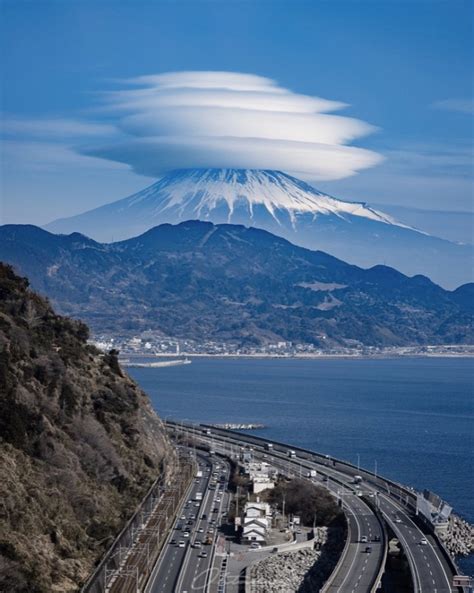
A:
(79, 445)
(229, 283)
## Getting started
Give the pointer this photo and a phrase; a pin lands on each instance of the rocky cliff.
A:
(79, 445)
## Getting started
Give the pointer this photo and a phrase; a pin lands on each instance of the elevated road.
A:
(363, 557)
(431, 571)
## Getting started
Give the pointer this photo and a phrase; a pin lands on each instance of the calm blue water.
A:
(414, 417)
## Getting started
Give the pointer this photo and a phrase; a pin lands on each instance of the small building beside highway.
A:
(256, 522)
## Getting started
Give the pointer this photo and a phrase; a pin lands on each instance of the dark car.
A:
(368, 549)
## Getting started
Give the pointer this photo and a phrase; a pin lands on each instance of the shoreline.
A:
(380, 356)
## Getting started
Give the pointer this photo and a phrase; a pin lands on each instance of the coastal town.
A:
(152, 344)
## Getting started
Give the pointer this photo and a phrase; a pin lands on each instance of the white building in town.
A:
(256, 522)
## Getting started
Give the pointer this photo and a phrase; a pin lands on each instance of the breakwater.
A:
(238, 426)
(458, 537)
(155, 364)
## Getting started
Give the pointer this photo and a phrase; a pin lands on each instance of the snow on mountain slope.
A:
(284, 206)
(196, 193)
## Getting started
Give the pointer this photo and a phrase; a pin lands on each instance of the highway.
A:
(184, 562)
(429, 568)
(431, 573)
(358, 569)
(196, 569)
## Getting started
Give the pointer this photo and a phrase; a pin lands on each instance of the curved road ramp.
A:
(371, 503)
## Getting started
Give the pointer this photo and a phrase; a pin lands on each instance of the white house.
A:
(256, 521)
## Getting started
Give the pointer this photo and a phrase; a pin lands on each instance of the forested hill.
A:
(229, 283)
(79, 445)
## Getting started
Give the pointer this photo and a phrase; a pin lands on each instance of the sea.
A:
(411, 419)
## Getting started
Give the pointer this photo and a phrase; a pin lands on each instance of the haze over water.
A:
(414, 417)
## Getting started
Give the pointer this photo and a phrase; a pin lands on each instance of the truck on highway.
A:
(269, 446)
(198, 496)
(291, 454)
(199, 473)
(357, 480)
(311, 473)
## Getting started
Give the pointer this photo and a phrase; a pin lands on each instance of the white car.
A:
(255, 546)
(423, 541)
(181, 544)
(186, 534)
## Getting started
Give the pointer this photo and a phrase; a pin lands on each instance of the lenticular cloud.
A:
(225, 119)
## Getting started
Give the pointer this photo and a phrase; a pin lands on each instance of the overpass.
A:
(432, 568)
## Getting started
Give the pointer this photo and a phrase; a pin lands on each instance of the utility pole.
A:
(236, 508)
(358, 462)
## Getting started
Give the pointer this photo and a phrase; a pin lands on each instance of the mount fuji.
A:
(284, 206)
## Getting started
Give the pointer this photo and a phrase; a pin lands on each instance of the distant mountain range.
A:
(229, 283)
(284, 206)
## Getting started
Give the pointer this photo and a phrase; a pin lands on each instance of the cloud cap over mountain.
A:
(226, 119)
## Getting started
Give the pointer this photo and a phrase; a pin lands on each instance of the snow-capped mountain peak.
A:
(196, 193)
(282, 205)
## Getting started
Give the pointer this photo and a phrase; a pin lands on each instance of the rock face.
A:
(79, 446)
(305, 570)
(283, 573)
(227, 283)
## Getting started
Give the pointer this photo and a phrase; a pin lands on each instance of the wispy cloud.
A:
(456, 105)
(53, 127)
(41, 155)
(227, 119)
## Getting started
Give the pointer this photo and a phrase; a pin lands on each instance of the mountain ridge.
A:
(285, 206)
(201, 281)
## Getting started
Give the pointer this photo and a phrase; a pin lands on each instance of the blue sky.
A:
(402, 66)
